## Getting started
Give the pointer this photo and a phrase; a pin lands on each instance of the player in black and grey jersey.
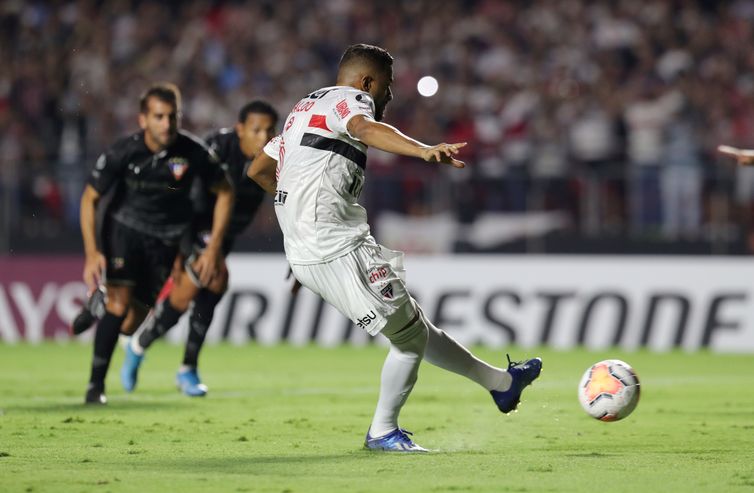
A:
(235, 149)
(150, 174)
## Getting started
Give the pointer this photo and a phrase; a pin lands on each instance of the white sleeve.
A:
(352, 103)
(272, 148)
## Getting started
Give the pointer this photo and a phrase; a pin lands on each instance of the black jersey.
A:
(153, 189)
(226, 144)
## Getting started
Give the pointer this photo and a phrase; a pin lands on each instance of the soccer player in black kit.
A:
(150, 174)
(235, 148)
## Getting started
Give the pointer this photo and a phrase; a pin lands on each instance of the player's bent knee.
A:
(180, 302)
(410, 337)
(183, 292)
(117, 306)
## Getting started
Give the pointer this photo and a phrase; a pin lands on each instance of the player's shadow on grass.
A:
(47, 407)
(269, 464)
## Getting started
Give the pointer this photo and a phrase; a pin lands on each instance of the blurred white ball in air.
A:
(427, 86)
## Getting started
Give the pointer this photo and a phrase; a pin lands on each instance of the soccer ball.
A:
(609, 390)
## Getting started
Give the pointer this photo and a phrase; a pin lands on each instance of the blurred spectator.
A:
(646, 118)
(543, 91)
(682, 176)
(592, 136)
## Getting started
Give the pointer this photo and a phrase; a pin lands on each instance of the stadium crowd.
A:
(610, 111)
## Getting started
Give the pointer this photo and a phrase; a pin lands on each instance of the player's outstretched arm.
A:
(94, 264)
(263, 171)
(744, 157)
(390, 139)
(208, 262)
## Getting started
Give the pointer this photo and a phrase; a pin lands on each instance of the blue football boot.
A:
(129, 372)
(522, 374)
(189, 383)
(395, 441)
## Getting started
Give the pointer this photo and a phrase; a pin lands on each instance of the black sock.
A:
(165, 317)
(105, 340)
(201, 317)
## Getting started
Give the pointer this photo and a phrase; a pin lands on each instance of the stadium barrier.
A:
(659, 303)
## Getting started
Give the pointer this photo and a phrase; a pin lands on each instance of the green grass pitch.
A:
(287, 420)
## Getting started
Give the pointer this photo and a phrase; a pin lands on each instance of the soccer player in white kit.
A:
(315, 169)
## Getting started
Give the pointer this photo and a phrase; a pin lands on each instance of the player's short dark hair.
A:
(378, 57)
(167, 92)
(257, 107)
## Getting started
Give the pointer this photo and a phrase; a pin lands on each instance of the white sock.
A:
(445, 352)
(399, 373)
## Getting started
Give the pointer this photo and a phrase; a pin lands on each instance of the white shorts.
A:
(366, 285)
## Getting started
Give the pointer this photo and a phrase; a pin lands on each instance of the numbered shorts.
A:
(138, 260)
(366, 285)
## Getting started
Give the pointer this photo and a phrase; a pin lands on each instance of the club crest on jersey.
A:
(387, 291)
(178, 166)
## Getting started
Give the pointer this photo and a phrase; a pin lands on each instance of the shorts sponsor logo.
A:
(178, 166)
(118, 262)
(342, 109)
(377, 274)
(366, 320)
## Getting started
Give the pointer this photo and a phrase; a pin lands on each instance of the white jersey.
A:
(320, 175)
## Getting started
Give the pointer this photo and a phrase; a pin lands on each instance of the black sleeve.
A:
(218, 143)
(213, 142)
(107, 171)
(211, 170)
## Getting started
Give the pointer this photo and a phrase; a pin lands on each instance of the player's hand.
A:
(207, 265)
(745, 157)
(444, 153)
(94, 266)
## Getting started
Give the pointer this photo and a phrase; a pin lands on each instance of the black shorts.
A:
(137, 259)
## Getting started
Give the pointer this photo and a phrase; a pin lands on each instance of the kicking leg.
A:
(448, 354)
(505, 386)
